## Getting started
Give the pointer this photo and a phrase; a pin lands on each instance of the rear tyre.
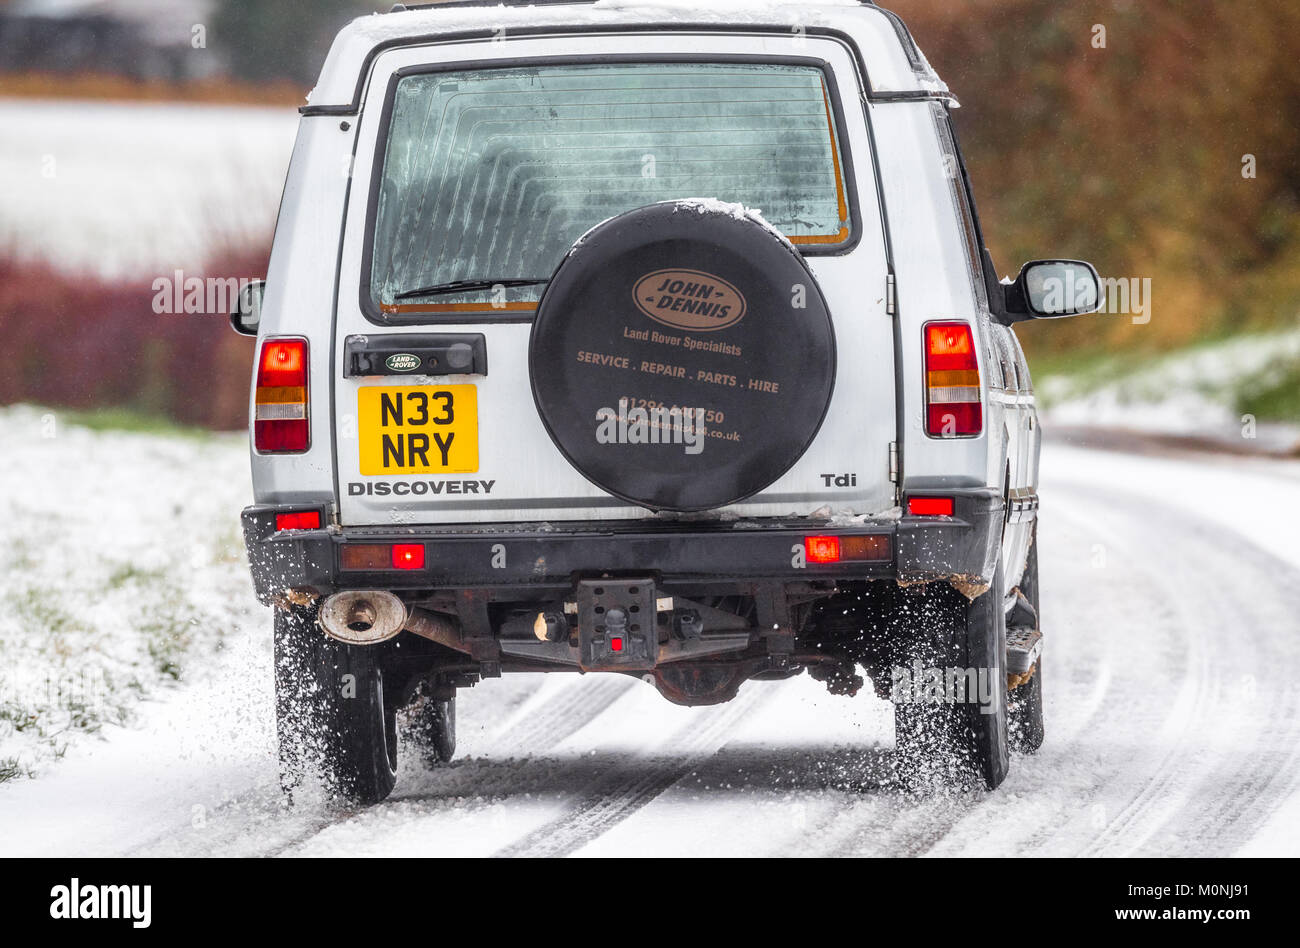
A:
(954, 737)
(332, 714)
(433, 730)
(1025, 703)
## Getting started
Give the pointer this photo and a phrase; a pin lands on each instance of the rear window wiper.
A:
(459, 286)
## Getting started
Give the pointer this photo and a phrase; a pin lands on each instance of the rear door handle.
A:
(415, 354)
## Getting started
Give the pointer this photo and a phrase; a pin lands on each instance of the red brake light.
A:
(298, 520)
(408, 556)
(930, 506)
(283, 362)
(952, 381)
(822, 549)
(280, 402)
(615, 644)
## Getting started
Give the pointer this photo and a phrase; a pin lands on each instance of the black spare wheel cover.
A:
(682, 305)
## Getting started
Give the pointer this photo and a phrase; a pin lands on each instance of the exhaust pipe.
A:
(371, 616)
(363, 617)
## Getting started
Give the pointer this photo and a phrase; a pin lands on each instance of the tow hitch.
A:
(617, 623)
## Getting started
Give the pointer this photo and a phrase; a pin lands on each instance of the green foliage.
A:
(1275, 396)
(11, 768)
(1131, 156)
(126, 419)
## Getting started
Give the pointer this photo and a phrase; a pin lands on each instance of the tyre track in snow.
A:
(1196, 798)
(562, 716)
(638, 779)
(1178, 617)
(1247, 797)
(889, 818)
(1169, 761)
(260, 817)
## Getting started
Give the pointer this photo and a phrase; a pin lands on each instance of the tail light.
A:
(379, 556)
(280, 423)
(930, 506)
(952, 382)
(408, 556)
(298, 520)
(867, 547)
(822, 549)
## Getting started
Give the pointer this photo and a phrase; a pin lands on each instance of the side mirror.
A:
(1053, 288)
(1045, 289)
(247, 314)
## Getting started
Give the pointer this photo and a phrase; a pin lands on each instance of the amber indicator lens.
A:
(369, 556)
(874, 548)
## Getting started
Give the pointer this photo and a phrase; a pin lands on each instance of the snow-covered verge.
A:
(124, 572)
(125, 189)
(1206, 392)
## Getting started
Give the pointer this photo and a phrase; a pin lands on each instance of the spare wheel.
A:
(683, 356)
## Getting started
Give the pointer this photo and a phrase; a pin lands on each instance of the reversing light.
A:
(930, 506)
(298, 520)
(280, 424)
(952, 382)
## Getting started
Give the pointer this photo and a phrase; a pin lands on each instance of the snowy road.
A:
(1171, 612)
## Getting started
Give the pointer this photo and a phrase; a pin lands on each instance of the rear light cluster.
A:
(873, 548)
(952, 382)
(298, 520)
(381, 556)
(930, 506)
(280, 424)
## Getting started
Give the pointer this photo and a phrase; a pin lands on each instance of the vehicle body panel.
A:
(529, 477)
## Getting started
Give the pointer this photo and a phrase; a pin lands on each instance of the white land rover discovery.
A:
(622, 337)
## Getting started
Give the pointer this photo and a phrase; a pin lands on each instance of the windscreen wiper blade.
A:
(460, 286)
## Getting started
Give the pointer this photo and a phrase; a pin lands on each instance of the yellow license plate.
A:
(418, 429)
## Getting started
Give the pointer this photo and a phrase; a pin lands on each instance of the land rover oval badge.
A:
(402, 362)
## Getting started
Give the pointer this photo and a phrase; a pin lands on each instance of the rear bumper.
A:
(535, 558)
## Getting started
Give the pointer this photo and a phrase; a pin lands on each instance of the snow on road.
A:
(1171, 594)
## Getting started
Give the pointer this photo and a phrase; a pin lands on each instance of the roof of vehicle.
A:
(894, 64)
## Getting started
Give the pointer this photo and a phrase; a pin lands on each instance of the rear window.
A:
(491, 174)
